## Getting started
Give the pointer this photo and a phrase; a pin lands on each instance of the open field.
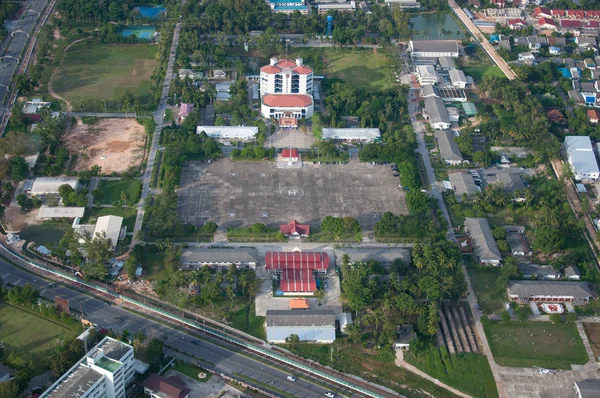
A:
(113, 144)
(32, 336)
(477, 72)
(527, 344)
(49, 231)
(112, 189)
(246, 320)
(95, 70)
(357, 68)
(238, 193)
(484, 284)
(192, 371)
(592, 330)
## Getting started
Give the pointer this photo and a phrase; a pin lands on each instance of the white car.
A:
(291, 378)
(330, 394)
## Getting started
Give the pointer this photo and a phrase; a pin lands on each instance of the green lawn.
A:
(484, 283)
(527, 344)
(92, 69)
(246, 320)
(128, 215)
(191, 371)
(32, 336)
(467, 372)
(153, 265)
(112, 190)
(49, 231)
(477, 72)
(245, 235)
(358, 68)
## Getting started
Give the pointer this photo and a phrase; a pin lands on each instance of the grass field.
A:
(247, 321)
(112, 190)
(128, 215)
(105, 71)
(484, 283)
(468, 372)
(191, 371)
(45, 233)
(527, 344)
(154, 268)
(32, 336)
(477, 72)
(358, 68)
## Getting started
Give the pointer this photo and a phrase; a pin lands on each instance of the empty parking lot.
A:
(241, 193)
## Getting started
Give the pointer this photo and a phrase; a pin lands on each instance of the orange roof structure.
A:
(303, 70)
(289, 153)
(286, 63)
(287, 100)
(299, 304)
(288, 122)
(270, 69)
(593, 114)
(294, 227)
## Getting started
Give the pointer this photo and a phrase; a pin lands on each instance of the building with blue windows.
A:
(288, 6)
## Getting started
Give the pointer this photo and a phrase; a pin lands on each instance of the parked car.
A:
(291, 378)
(330, 394)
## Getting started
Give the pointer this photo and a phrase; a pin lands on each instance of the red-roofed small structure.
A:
(295, 230)
(542, 12)
(270, 69)
(546, 23)
(593, 116)
(172, 387)
(515, 24)
(185, 110)
(299, 304)
(558, 13)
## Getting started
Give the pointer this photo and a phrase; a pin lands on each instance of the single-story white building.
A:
(229, 133)
(49, 185)
(352, 134)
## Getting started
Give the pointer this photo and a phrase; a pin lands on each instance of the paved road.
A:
(158, 118)
(104, 315)
(498, 60)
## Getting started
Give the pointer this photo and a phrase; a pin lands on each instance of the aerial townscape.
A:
(299, 198)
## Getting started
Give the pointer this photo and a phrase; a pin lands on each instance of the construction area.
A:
(114, 144)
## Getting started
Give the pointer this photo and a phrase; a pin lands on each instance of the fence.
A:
(205, 329)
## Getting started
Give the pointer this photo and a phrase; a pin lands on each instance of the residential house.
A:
(553, 50)
(486, 249)
(518, 244)
(295, 230)
(185, 110)
(546, 24)
(309, 325)
(593, 116)
(555, 116)
(539, 272)
(589, 63)
(516, 24)
(406, 334)
(157, 386)
(436, 113)
(527, 57)
(542, 12)
(463, 184)
(549, 291)
(458, 78)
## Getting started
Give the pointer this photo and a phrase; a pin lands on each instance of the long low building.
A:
(48, 212)
(229, 133)
(449, 150)
(557, 291)
(352, 134)
(382, 255)
(437, 114)
(49, 185)
(309, 325)
(242, 257)
(276, 262)
(434, 48)
(277, 106)
(485, 245)
(463, 184)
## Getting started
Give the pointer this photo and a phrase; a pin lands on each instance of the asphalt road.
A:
(227, 362)
(11, 50)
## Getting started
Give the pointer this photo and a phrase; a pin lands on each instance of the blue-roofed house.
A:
(554, 50)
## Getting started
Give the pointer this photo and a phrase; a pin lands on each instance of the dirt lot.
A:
(593, 333)
(114, 144)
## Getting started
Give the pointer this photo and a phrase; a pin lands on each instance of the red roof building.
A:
(287, 100)
(270, 69)
(555, 115)
(573, 24)
(516, 23)
(302, 70)
(298, 286)
(546, 23)
(286, 63)
(591, 25)
(592, 14)
(498, 3)
(172, 387)
(541, 12)
(575, 14)
(558, 13)
(290, 153)
(593, 116)
(294, 229)
(279, 261)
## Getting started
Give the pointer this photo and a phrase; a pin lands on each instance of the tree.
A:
(155, 350)
(8, 389)
(130, 267)
(548, 239)
(320, 295)
(219, 121)
(505, 316)
(24, 202)
(571, 317)
(510, 269)
(555, 318)
(292, 340)
(18, 168)
(522, 314)
(258, 228)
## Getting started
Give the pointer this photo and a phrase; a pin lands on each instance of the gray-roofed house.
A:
(437, 114)
(511, 183)
(587, 388)
(198, 257)
(572, 273)
(429, 90)
(576, 96)
(484, 243)
(449, 150)
(309, 325)
(557, 291)
(540, 272)
(447, 63)
(463, 184)
(434, 48)
(5, 373)
(382, 255)
(518, 244)
(458, 78)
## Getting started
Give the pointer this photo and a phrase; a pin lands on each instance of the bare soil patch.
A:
(593, 334)
(114, 144)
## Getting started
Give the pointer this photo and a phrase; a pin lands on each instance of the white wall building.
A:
(229, 133)
(351, 134)
(426, 74)
(286, 89)
(434, 48)
(104, 372)
(581, 157)
(458, 78)
(49, 185)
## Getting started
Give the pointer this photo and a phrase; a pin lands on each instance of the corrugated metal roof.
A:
(299, 318)
(449, 150)
(219, 256)
(436, 110)
(481, 234)
(462, 183)
(525, 289)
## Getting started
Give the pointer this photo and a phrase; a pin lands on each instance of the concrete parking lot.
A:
(241, 193)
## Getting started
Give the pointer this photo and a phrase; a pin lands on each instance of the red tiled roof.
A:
(592, 24)
(555, 115)
(270, 69)
(300, 274)
(540, 10)
(566, 23)
(299, 304)
(297, 260)
(286, 63)
(302, 70)
(516, 21)
(185, 109)
(576, 13)
(294, 226)
(169, 387)
(592, 14)
(290, 153)
(295, 285)
(287, 100)
(593, 114)
(544, 21)
(557, 13)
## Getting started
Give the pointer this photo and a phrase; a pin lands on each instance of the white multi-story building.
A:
(286, 89)
(426, 74)
(104, 372)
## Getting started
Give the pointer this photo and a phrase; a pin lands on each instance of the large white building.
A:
(426, 74)
(49, 185)
(581, 157)
(226, 133)
(352, 134)
(286, 89)
(104, 372)
(434, 48)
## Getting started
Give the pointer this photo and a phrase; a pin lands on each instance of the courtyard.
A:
(241, 193)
